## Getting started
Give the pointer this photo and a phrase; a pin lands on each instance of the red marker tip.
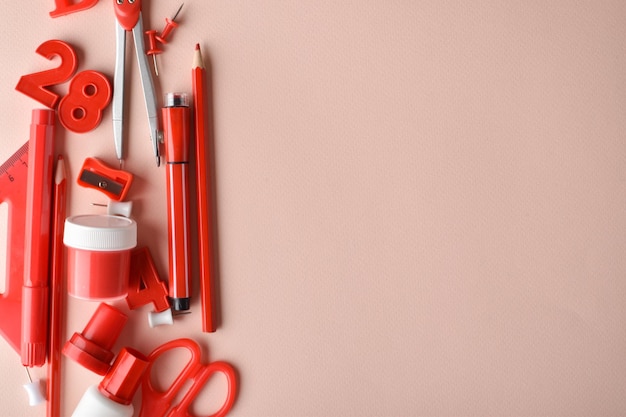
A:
(197, 47)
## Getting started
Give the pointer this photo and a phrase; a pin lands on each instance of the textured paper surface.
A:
(420, 204)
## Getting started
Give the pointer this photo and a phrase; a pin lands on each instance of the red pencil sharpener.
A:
(114, 183)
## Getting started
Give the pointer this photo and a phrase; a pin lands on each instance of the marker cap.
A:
(122, 380)
(92, 347)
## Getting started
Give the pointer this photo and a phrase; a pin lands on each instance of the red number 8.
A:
(81, 109)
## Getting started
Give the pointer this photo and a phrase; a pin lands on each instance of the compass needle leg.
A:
(117, 108)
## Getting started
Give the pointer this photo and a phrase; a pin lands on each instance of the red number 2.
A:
(34, 85)
(64, 7)
(81, 109)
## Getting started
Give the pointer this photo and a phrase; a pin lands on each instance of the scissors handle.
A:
(182, 409)
(156, 403)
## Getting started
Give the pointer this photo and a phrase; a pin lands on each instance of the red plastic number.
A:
(153, 290)
(81, 109)
(33, 85)
(64, 7)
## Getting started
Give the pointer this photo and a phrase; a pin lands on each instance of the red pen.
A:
(176, 121)
(37, 241)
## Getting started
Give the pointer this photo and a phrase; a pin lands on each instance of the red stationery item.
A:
(203, 189)
(98, 255)
(114, 395)
(114, 183)
(122, 381)
(64, 7)
(128, 13)
(176, 120)
(13, 174)
(143, 271)
(57, 302)
(153, 48)
(34, 85)
(170, 25)
(37, 243)
(92, 347)
(89, 93)
(128, 19)
(157, 403)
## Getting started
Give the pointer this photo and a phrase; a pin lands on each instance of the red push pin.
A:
(170, 25)
(153, 49)
(34, 390)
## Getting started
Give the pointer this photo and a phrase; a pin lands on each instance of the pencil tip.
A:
(59, 175)
(197, 58)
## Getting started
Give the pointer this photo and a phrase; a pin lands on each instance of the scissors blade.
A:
(117, 106)
(148, 87)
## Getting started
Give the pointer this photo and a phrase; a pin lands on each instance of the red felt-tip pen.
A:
(176, 125)
(37, 241)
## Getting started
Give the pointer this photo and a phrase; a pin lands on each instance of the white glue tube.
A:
(114, 395)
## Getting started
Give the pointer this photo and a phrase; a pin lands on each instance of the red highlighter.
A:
(176, 125)
(37, 242)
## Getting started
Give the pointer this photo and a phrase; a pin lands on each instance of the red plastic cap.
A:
(42, 117)
(121, 382)
(127, 13)
(92, 347)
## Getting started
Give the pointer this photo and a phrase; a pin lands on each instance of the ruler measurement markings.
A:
(18, 160)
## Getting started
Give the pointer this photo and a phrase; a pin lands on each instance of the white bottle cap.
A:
(100, 232)
(158, 319)
(35, 393)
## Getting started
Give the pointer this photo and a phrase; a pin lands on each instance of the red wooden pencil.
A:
(204, 195)
(57, 302)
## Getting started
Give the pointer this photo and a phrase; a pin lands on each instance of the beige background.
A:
(421, 204)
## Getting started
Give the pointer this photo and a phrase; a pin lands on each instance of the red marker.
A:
(176, 123)
(37, 242)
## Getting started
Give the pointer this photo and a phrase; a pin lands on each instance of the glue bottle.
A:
(114, 395)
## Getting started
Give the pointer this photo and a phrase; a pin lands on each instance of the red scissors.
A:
(156, 403)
